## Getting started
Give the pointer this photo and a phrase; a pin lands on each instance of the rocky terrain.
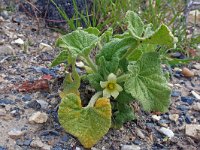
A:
(29, 98)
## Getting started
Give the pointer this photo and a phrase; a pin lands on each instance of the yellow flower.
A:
(111, 88)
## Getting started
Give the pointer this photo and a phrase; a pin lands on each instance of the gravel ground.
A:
(24, 60)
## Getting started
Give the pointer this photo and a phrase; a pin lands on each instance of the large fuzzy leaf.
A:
(147, 83)
(78, 42)
(135, 24)
(90, 124)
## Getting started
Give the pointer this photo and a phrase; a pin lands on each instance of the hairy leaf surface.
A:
(147, 83)
(78, 42)
(90, 124)
(135, 24)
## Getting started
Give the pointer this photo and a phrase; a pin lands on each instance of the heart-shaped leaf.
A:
(88, 124)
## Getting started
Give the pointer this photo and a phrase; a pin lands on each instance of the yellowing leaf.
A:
(89, 124)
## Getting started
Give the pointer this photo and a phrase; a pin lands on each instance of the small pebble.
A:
(45, 47)
(18, 41)
(34, 104)
(38, 117)
(130, 147)
(182, 108)
(176, 94)
(197, 66)
(187, 99)
(188, 119)
(169, 133)
(197, 96)
(187, 73)
(155, 117)
(139, 133)
(192, 130)
(196, 106)
(43, 104)
(15, 134)
(26, 97)
(174, 117)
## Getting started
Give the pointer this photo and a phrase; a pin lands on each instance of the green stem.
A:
(122, 78)
(90, 63)
(94, 99)
(99, 44)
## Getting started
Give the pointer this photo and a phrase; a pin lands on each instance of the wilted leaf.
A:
(90, 124)
(147, 83)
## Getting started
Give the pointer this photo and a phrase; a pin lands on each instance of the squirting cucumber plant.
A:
(126, 68)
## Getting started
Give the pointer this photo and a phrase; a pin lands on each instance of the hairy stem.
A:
(94, 99)
(90, 63)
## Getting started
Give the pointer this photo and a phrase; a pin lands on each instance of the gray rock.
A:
(37, 143)
(196, 107)
(192, 130)
(130, 147)
(139, 133)
(44, 105)
(2, 112)
(15, 134)
(38, 117)
(6, 49)
(197, 66)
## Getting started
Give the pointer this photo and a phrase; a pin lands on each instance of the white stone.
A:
(174, 117)
(44, 105)
(18, 41)
(80, 64)
(38, 117)
(37, 143)
(45, 47)
(130, 147)
(155, 117)
(167, 132)
(197, 96)
(78, 148)
(193, 130)
(15, 133)
(196, 107)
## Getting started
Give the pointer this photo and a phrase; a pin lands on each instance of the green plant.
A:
(127, 68)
